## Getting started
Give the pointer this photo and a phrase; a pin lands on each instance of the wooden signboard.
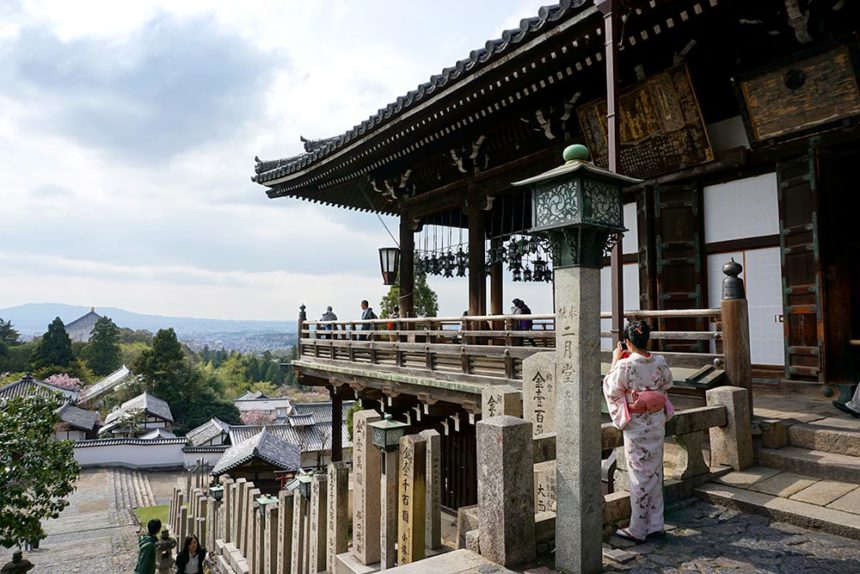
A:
(801, 95)
(661, 126)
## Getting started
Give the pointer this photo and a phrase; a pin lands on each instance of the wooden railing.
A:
(492, 346)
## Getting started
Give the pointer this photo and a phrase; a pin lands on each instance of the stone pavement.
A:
(705, 538)
(94, 533)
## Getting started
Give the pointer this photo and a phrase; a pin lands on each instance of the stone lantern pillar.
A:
(579, 208)
(164, 552)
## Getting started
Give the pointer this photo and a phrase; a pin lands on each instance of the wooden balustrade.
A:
(486, 346)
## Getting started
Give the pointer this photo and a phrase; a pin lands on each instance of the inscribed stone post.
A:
(257, 540)
(270, 536)
(319, 523)
(250, 505)
(413, 496)
(200, 530)
(227, 509)
(505, 489)
(337, 513)
(238, 505)
(365, 493)
(501, 400)
(211, 523)
(171, 508)
(300, 509)
(202, 514)
(388, 501)
(182, 531)
(433, 503)
(285, 531)
(579, 498)
(180, 500)
(545, 486)
(539, 392)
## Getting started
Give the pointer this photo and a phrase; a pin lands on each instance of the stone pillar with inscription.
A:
(388, 502)
(337, 512)
(319, 523)
(365, 491)
(579, 208)
(501, 400)
(250, 506)
(182, 531)
(545, 486)
(413, 496)
(202, 514)
(539, 392)
(433, 504)
(270, 537)
(238, 505)
(285, 531)
(227, 509)
(300, 510)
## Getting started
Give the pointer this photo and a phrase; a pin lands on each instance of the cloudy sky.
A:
(128, 131)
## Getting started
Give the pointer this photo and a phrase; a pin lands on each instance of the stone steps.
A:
(783, 509)
(820, 464)
(835, 435)
(131, 489)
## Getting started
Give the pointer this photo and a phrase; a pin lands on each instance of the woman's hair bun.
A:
(638, 333)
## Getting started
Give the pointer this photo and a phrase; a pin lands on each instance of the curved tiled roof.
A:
(27, 385)
(79, 418)
(492, 51)
(207, 431)
(264, 446)
(149, 403)
(206, 448)
(128, 442)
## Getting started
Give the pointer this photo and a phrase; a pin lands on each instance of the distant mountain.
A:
(33, 318)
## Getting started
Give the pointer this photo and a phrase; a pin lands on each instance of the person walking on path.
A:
(146, 548)
(191, 558)
(635, 391)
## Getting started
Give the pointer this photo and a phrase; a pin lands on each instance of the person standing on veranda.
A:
(636, 394)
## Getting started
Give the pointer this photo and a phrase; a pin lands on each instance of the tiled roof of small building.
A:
(207, 431)
(149, 403)
(264, 446)
(320, 411)
(263, 404)
(309, 438)
(27, 385)
(157, 433)
(79, 418)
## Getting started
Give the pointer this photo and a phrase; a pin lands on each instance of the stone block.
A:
(338, 512)
(544, 486)
(270, 537)
(539, 392)
(505, 490)
(774, 433)
(824, 492)
(467, 519)
(247, 547)
(473, 541)
(347, 563)
(433, 503)
(848, 503)
(300, 510)
(731, 445)
(366, 468)
(318, 524)
(285, 531)
(747, 478)
(411, 523)
(501, 400)
(690, 462)
(784, 484)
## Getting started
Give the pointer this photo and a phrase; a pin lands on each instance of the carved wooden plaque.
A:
(801, 95)
(661, 126)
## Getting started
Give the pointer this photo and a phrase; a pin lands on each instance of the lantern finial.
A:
(575, 152)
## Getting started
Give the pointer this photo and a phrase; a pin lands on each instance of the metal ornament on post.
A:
(389, 263)
(386, 437)
(579, 208)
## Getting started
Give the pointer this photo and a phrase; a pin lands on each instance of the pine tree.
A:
(103, 353)
(55, 348)
(162, 367)
(425, 301)
(8, 335)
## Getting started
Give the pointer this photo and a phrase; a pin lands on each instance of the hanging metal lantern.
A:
(462, 262)
(389, 262)
(527, 274)
(517, 275)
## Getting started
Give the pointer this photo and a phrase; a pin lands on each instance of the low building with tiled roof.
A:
(213, 432)
(76, 424)
(258, 458)
(28, 385)
(258, 402)
(150, 411)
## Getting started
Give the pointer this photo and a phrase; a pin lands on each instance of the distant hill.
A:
(32, 319)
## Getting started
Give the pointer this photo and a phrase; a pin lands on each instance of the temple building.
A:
(741, 120)
(138, 416)
(81, 328)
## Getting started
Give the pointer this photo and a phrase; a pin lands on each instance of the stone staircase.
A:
(131, 489)
(808, 474)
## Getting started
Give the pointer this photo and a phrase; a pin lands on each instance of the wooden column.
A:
(477, 275)
(736, 330)
(407, 267)
(607, 7)
(301, 325)
(496, 290)
(336, 425)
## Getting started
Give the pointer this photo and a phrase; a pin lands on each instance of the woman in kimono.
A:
(635, 391)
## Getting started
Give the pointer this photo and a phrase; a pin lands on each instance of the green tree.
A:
(356, 406)
(162, 368)
(103, 353)
(8, 334)
(425, 301)
(37, 473)
(55, 348)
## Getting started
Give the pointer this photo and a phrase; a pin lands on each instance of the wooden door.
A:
(801, 269)
(644, 229)
(679, 260)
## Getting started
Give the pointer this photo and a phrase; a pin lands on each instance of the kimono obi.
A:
(639, 402)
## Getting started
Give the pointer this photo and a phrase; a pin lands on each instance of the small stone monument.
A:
(164, 552)
(18, 565)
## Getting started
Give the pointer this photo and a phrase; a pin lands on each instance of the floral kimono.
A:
(643, 434)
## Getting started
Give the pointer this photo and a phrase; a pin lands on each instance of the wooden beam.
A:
(407, 267)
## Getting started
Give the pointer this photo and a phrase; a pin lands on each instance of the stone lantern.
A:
(18, 565)
(386, 437)
(579, 208)
(164, 552)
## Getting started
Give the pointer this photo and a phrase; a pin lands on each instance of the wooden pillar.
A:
(477, 273)
(300, 325)
(736, 330)
(336, 426)
(496, 290)
(407, 267)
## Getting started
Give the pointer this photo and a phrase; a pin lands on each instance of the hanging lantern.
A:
(389, 261)
(517, 275)
(448, 264)
(527, 274)
(462, 262)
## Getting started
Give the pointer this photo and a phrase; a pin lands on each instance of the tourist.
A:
(635, 391)
(851, 407)
(328, 316)
(394, 326)
(146, 548)
(190, 560)
(366, 315)
(520, 308)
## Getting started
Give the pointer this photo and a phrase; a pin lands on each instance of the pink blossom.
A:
(64, 381)
(257, 418)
